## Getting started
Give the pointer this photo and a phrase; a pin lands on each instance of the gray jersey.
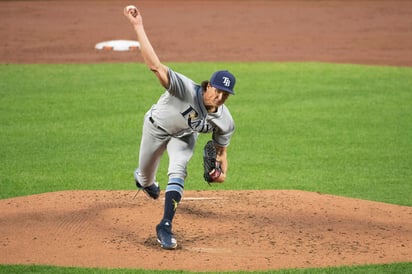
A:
(180, 111)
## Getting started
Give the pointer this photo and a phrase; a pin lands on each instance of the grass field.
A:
(337, 129)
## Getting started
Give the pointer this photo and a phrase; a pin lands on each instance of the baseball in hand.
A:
(132, 10)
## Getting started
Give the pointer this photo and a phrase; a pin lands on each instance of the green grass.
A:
(338, 129)
(343, 130)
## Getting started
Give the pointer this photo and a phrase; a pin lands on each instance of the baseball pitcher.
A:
(183, 111)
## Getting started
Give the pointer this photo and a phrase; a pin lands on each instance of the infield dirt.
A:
(362, 32)
(216, 230)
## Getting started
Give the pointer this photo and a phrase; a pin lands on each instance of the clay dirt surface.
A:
(361, 32)
(216, 230)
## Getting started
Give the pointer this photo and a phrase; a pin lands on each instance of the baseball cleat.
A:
(153, 191)
(165, 236)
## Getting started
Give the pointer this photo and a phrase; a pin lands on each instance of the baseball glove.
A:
(212, 169)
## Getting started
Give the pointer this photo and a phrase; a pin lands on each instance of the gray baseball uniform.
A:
(173, 124)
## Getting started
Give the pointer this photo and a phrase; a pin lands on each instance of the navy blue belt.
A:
(155, 124)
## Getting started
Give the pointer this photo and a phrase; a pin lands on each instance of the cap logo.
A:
(226, 81)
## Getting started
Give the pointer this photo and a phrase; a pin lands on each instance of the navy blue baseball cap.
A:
(223, 80)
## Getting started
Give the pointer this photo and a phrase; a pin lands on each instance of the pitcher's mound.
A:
(215, 230)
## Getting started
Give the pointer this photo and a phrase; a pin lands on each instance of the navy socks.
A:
(173, 195)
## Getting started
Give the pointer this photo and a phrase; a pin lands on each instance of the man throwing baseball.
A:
(183, 111)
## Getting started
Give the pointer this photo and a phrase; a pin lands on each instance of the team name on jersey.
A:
(196, 123)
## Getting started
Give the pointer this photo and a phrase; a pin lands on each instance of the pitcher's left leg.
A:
(180, 151)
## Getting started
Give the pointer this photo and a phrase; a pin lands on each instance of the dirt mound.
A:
(216, 230)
